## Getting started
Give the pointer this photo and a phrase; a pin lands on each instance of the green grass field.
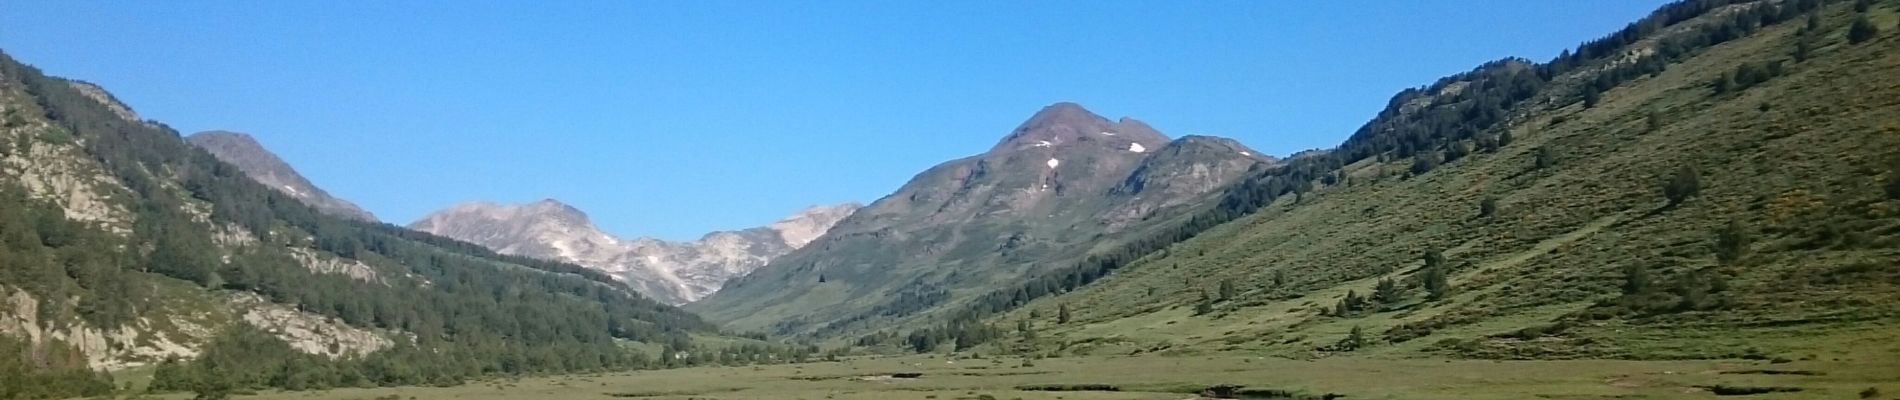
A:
(1158, 377)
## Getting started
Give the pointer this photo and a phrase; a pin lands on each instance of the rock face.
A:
(111, 102)
(1053, 188)
(260, 164)
(672, 272)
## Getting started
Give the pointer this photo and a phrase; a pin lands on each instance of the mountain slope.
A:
(671, 272)
(1063, 181)
(1716, 203)
(243, 151)
(125, 246)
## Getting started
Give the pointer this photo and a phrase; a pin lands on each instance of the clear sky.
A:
(674, 118)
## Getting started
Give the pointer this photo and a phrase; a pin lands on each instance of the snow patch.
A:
(1246, 154)
(1044, 143)
(1054, 162)
(1108, 133)
(1136, 147)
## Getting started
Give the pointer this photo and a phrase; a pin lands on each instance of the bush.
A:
(1686, 183)
(1543, 158)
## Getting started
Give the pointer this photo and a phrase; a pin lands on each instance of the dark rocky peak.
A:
(1066, 123)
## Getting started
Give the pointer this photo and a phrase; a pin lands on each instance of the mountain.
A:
(260, 164)
(1716, 181)
(125, 246)
(1063, 182)
(672, 272)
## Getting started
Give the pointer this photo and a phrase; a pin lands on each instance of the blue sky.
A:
(674, 118)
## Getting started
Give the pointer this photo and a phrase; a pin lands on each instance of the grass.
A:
(1172, 378)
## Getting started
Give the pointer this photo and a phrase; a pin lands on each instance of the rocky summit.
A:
(668, 271)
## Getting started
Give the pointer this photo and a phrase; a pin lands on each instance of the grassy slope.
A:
(1565, 233)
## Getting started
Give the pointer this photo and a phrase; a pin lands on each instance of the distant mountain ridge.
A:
(671, 272)
(248, 155)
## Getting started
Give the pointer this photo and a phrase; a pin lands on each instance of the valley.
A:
(1703, 204)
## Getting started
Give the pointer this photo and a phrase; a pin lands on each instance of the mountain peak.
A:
(1066, 123)
(263, 166)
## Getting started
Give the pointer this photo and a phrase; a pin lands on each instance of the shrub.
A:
(1731, 243)
(1686, 183)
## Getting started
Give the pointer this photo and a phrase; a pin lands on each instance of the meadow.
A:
(1159, 377)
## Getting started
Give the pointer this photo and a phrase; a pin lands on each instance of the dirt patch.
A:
(1725, 390)
(1070, 387)
(1773, 372)
(1242, 392)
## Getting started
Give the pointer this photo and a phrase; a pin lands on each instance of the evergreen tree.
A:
(1062, 314)
(1204, 307)
(1388, 293)
(1436, 284)
(1433, 257)
(1731, 243)
(1803, 47)
(1893, 180)
(1636, 280)
(1226, 290)
(1487, 207)
(1862, 30)
(1356, 339)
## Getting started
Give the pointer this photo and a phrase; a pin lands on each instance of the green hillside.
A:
(1742, 201)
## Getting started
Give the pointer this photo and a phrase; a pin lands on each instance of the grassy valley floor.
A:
(1161, 377)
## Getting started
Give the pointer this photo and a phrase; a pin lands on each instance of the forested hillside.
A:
(1708, 178)
(124, 246)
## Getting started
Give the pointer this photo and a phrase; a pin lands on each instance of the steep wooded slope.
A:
(125, 246)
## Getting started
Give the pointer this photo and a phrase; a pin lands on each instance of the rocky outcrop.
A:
(307, 332)
(134, 344)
